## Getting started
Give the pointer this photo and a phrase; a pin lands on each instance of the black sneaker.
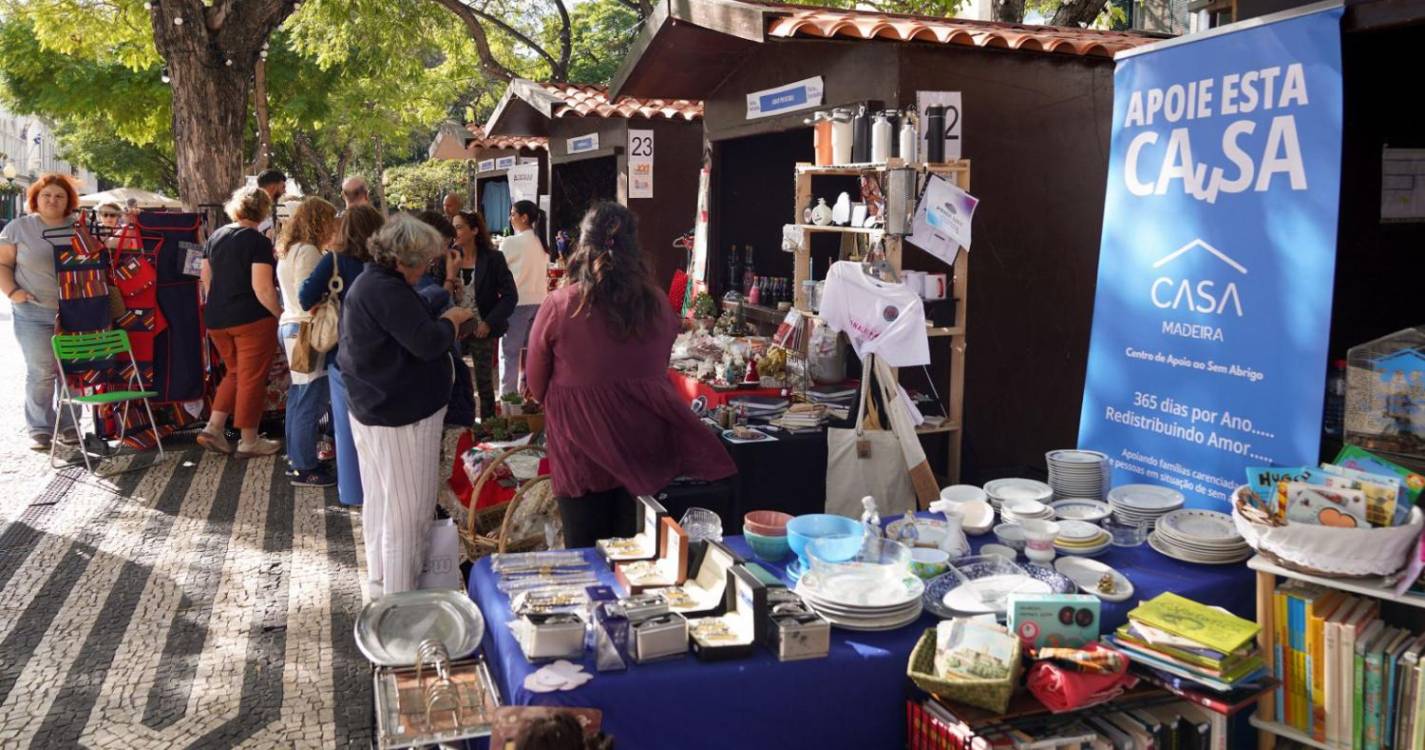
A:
(313, 478)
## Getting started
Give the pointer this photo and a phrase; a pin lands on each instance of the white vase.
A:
(822, 214)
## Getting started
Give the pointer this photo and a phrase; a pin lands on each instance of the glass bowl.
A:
(1125, 533)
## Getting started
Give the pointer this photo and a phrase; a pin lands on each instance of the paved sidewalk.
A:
(199, 602)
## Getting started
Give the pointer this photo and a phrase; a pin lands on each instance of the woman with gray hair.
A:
(395, 359)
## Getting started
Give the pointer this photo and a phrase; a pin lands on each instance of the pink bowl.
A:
(767, 522)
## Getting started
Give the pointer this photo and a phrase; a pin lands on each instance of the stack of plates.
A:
(760, 407)
(1076, 473)
(1019, 511)
(1199, 536)
(1143, 504)
(1081, 538)
(1003, 490)
(863, 602)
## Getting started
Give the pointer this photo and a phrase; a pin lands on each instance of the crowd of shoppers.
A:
(414, 294)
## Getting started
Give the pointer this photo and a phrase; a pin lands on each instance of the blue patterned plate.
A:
(938, 587)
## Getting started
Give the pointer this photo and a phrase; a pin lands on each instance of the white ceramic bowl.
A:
(1000, 550)
(976, 516)
(1010, 535)
(959, 493)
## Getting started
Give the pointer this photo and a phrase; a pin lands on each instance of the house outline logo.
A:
(1198, 242)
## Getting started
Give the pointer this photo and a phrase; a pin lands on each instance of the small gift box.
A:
(735, 633)
(643, 545)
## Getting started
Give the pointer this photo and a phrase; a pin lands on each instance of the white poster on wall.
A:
(954, 121)
(942, 220)
(524, 182)
(640, 163)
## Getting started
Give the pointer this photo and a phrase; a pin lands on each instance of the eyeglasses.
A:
(107, 215)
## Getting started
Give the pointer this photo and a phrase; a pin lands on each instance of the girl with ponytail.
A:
(598, 360)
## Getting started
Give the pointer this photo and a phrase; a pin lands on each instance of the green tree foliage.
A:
(603, 31)
(423, 184)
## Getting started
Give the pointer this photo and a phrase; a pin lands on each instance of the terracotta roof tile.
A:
(517, 142)
(828, 23)
(583, 100)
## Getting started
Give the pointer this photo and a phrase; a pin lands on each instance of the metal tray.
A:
(401, 716)
(389, 629)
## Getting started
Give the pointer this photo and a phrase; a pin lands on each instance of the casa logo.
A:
(890, 313)
(1207, 295)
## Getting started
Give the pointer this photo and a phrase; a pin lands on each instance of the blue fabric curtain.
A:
(495, 204)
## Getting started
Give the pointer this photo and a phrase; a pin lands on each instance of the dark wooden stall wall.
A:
(1379, 266)
(578, 185)
(677, 160)
(850, 71)
(754, 180)
(1036, 130)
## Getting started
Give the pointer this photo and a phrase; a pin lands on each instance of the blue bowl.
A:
(768, 548)
(802, 529)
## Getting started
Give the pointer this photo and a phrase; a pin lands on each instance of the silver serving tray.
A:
(390, 628)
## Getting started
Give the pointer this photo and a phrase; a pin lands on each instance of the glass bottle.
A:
(749, 276)
(754, 295)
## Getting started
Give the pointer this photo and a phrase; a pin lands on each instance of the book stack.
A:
(1135, 721)
(1201, 646)
(1349, 680)
(838, 399)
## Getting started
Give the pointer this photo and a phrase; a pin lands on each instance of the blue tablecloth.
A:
(853, 698)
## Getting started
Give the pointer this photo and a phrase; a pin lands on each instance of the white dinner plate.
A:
(1081, 509)
(1149, 497)
(1086, 574)
(1194, 524)
(1178, 553)
(989, 594)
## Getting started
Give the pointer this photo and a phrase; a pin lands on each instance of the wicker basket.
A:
(1326, 551)
(991, 695)
(513, 526)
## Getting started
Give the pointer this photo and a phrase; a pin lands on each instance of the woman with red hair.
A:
(28, 280)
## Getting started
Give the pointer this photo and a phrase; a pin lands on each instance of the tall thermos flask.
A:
(881, 136)
(908, 138)
(861, 136)
(841, 138)
(821, 131)
(935, 133)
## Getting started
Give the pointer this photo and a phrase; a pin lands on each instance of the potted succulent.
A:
(512, 404)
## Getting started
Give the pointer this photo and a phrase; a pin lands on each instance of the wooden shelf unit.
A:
(1269, 730)
(959, 173)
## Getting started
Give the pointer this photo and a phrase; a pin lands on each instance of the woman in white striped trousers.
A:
(395, 360)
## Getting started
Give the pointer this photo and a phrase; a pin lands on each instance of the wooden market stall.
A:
(488, 160)
(589, 157)
(1035, 123)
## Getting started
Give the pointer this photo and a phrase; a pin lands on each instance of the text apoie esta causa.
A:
(1256, 158)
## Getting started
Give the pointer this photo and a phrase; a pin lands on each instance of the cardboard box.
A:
(1058, 620)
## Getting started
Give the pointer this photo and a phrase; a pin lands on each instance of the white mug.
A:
(915, 281)
(936, 286)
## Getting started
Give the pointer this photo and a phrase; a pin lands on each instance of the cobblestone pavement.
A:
(196, 602)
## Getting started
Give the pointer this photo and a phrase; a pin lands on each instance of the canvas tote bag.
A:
(863, 462)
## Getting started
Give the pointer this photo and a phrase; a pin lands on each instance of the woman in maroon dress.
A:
(598, 360)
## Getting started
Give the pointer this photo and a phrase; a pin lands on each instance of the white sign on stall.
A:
(529, 159)
(504, 162)
(580, 144)
(942, 220)
(524, 182)
(791, 97)
(954, 120)
(640, 163)
(485, 165)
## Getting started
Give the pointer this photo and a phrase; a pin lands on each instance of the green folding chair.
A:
(81, 349)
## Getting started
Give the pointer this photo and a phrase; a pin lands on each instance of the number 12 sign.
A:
(640, 163)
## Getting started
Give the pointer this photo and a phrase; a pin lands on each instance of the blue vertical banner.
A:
(1213, 305)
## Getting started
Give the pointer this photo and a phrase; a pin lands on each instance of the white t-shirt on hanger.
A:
(884, 319)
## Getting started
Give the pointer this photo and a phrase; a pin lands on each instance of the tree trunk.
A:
(209, 118)
(210, 48)
(1009, 11)
(1077, 12)
(381, 178)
